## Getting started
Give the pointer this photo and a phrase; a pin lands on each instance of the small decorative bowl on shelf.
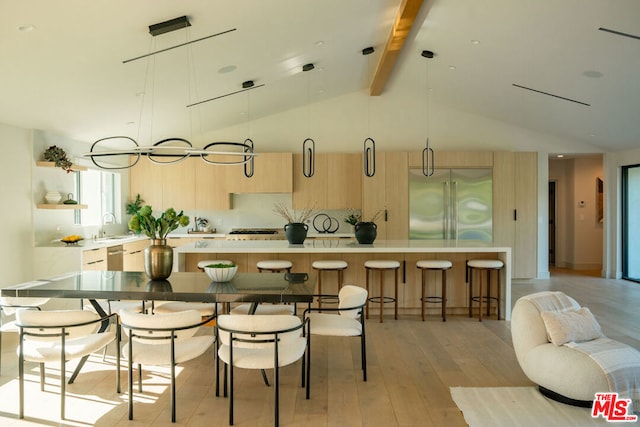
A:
(73, 239)
(221, 272)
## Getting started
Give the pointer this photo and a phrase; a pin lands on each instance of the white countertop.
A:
(338, 245)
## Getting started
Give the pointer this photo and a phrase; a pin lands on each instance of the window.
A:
(99, 191)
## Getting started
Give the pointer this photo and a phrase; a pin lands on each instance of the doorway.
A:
(631, 223)
(552, 223)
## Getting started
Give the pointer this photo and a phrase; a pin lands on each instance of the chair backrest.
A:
(351, 296)
(527, 327)
(245, 327)
(156, 326)
(11, 304)
(33, 319)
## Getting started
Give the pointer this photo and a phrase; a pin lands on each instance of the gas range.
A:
(256, 234)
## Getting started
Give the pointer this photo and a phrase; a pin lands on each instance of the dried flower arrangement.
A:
(291, 216)
(354, 217)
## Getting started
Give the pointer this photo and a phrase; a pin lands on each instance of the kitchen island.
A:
(246, 253)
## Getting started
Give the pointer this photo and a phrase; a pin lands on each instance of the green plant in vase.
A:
(157, 228)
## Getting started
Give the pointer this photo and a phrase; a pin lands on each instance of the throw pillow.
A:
(567, 326)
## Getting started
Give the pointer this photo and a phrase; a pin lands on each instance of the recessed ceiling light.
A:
(592, 73)
(26, 27)
(130, 123)
(476, 42)
(560, 156)
(452, 67)
(319, 43)
(227, 69)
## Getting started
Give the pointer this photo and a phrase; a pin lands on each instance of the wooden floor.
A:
(412, 364)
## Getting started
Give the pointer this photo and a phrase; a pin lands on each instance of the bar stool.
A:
(274, 265)
(434, 265)
(328, 265)
(481, 265)
(382, 266)
(203, 264)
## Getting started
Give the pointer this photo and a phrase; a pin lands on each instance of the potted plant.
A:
(58, 156)
(352, 218)
(158, 257)
(366, 231)
(134, 206)
(296, 228)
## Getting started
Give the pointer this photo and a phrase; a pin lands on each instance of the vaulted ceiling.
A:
(568, 69)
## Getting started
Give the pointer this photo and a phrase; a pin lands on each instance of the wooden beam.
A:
(399, 32)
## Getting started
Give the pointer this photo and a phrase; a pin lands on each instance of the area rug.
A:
(518, 407)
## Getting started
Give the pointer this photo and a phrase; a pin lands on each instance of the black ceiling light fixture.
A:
(122, 152)
(369, 145)
(428, 158)
(308, 145)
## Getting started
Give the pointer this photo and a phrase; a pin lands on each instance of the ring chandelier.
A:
(127, 153)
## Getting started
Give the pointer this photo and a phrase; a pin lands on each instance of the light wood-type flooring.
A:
(411, 364)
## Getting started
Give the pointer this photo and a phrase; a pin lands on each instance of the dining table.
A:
(94, 286)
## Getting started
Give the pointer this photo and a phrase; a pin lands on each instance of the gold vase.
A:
(158, 259)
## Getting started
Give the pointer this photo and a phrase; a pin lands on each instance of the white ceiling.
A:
(67, 75)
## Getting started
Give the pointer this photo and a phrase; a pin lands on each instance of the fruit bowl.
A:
(221, 272)
(71, 240)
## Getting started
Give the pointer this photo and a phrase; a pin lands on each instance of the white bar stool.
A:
(382, 266)
(481, 265)
(434, 265)
(203, 264)
(328, 265)
(274, 265)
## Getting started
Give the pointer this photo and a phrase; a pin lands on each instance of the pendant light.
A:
(308, 145)
(428, 162)
(124, 152)
(369, 145)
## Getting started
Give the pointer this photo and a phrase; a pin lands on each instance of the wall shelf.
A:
(74, 167)
(59, 206)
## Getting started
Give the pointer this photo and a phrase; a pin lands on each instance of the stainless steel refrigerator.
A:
(452, 204)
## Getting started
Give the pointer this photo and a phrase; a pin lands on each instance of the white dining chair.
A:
(162, 340)
(262, 342)
(8, 307)
(58, 336)
(346, 320)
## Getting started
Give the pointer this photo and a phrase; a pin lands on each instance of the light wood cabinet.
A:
(336, 183)
(133, 257)
(145, 179)
(515, 196)
(211, 186)
(94, 259)
(454, 159)
(178, 185)
(272, 173)
(388, 190)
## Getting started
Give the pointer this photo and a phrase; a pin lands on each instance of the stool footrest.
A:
(433, 300)
(383, 300)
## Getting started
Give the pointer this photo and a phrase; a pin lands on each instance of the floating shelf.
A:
(44, 164)
(59, 206)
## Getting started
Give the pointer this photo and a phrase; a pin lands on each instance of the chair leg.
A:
(395, 303)
(42, 376)
(363, 353)
(139, 378)
(381, 295)
(21, 379)
(63, 389)
(481, 298)
(470, 275)
(231, 393)
(130, 379)
(488, 292)
(320, 290)
(366, 305)
(423, 289)
(173, 384)
(499, 293)
(444, 295)
(276, 374)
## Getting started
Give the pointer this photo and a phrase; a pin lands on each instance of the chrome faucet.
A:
(104, 222)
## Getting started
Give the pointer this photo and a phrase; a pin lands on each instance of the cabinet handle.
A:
(515, 214)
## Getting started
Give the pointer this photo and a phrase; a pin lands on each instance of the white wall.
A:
(16, 260)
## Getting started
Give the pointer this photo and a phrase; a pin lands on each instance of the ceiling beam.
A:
(399, 32)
